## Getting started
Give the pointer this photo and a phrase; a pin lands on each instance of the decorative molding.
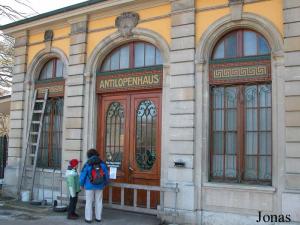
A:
(232, 2)
(73, 13)
(79, 27)
(41, 58)
(78, 19)
(237, 72)
(48, 35)
(140, 22)
(4, 124)
(236, 9)
(126, 22)
(54, 39)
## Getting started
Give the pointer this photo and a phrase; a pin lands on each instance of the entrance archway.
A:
(129, 87)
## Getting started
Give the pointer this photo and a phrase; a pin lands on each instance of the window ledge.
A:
(240, 187)
(48, 170)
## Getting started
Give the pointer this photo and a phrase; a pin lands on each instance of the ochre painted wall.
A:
(36, 38)
(210, 3)
(205, 18)
(33, 50)
(158, 20)
(36, 42)
(272, 10)
(95, 37)
(149, 19)
(209, 11)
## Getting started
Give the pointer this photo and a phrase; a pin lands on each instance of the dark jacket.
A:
(86, 173)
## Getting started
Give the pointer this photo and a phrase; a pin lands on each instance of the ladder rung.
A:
(31, 155)
(34, 133)
(39, 101)
(29, 167)
(27, 176)
(37, 111)
(33, 144)
(36, 122)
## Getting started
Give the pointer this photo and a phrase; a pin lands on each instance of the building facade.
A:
(201, 93)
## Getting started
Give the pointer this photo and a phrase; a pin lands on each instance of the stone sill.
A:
(56, 171)
(240, 187)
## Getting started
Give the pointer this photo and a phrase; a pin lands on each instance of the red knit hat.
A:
(74, 163)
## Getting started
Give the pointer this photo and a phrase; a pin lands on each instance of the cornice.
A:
(68, 15)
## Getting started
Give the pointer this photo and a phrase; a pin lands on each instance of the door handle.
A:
(130, 168)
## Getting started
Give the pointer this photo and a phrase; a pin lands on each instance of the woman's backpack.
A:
(97, 174)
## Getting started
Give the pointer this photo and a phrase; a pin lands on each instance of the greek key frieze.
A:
(240, 72)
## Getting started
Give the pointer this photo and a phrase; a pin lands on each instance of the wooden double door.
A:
(129, 137)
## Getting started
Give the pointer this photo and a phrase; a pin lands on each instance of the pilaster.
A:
(16, 114)
(182, 113)
(291, 196)
(74, 94)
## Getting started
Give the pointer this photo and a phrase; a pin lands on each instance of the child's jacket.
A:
(72, 181)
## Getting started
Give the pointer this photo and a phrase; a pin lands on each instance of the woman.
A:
(93, 178)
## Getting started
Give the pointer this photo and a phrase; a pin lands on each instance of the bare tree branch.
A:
(7, 42)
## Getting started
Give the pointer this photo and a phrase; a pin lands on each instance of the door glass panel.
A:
(114, 136)
(146, 129)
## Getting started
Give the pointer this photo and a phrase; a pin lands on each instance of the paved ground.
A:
(21, 214)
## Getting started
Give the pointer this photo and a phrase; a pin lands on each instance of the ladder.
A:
(31, 148)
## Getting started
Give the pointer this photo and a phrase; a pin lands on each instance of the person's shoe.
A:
(98, 220)
(88, 221)
(75, 214)
(72, 217)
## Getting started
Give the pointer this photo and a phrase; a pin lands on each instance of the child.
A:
(74, 188)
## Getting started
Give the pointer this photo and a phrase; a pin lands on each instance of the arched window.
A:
(241, 109)
(54, 68)
(50, 148)
(241, 43)
(132, 55)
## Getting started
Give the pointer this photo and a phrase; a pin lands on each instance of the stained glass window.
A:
(114, 139)
(146, 129)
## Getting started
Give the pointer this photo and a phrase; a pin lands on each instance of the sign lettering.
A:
(129, 81)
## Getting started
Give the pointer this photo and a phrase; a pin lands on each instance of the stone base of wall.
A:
(184, 217)
(213, 218)
(10, 184)
(220, 218)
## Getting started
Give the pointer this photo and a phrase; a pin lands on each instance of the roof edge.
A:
(51, 13)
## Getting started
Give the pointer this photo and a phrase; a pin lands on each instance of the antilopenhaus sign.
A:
(129, 80)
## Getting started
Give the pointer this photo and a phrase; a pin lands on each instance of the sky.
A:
(40, 6)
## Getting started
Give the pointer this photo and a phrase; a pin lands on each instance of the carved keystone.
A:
(236, 9)
(126, 22)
